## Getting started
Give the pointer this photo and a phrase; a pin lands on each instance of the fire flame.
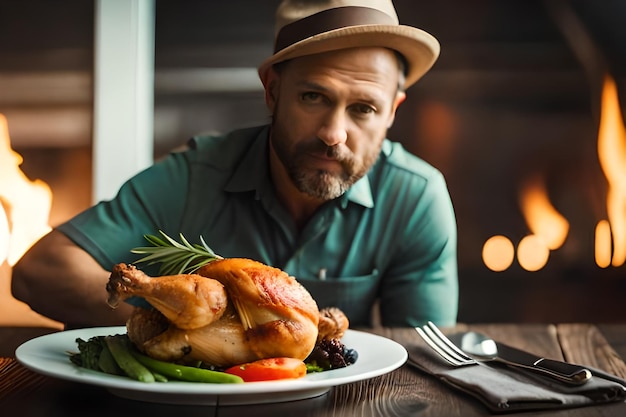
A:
(612, 156)
(542, 218)
(4, 234)
(25, 204)
(24, 210)
(548, 228)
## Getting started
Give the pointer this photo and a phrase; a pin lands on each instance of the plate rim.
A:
(34, 355)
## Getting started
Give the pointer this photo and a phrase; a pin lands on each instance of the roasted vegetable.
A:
(269, 369)
(89, 353)
(186, 373)
(107, 363)
(330, 354)
(119, 345)
(116, 355)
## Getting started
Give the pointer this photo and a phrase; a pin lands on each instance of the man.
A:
(319, 193)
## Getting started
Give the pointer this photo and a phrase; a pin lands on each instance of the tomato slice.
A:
(269, 369)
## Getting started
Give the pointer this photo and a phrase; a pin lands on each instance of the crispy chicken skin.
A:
(188, 301)
(221, 344)
(275, 310)
(267, 313)
(333, 324)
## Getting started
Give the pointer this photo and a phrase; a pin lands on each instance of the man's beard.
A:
(318, 183)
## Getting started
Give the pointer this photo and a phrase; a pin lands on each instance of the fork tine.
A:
(435, 342)
(435, 336)
(444, 339)
(434, 346)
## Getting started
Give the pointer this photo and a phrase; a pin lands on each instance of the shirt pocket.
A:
(355, 296)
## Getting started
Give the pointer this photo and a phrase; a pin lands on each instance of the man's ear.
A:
(400, 97)
(271, 89)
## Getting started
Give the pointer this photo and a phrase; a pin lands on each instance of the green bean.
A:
(159, 378)
(106, 361)
(186, 373)
(121, 351)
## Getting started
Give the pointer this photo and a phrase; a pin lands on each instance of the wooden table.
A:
(403, 392)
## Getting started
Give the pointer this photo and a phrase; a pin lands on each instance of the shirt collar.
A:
(359, 193)
(255, 160)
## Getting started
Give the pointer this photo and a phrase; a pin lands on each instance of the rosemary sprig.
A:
(174, 257)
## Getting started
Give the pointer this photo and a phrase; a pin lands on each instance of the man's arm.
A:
(63, 282)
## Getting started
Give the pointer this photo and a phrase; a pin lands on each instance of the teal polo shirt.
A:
(390, 239)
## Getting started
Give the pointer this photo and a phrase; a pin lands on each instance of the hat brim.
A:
(419, 48)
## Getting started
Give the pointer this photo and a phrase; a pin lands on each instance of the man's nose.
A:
(334, 130)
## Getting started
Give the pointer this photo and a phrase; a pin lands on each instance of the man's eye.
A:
(310, 96)
(363, 109)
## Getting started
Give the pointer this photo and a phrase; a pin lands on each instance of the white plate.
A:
(48, 355)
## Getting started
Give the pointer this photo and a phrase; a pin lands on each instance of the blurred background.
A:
(522, 114)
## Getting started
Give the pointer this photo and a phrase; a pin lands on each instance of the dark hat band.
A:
(328, 20)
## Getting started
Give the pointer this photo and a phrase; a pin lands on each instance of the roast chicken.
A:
(229, 312)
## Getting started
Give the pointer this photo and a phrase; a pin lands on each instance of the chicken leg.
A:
(188, 301)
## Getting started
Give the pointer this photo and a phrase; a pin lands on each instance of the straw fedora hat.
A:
(306, 27)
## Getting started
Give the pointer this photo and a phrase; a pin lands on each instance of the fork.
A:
(457, 357)
(444, 346)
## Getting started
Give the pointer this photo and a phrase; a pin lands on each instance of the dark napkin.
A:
(504, 389)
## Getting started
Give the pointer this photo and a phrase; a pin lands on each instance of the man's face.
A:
(331, 112)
